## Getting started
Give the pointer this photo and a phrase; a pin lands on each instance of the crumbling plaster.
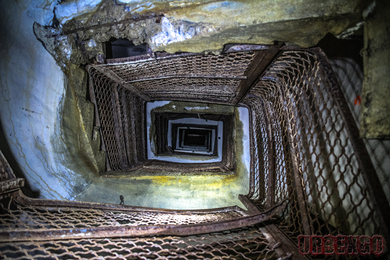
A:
(79, 28)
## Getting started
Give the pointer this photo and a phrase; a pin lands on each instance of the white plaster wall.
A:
(31, 95)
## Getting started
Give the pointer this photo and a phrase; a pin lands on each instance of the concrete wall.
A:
(32, 96)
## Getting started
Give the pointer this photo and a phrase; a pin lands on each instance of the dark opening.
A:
(196, 137)
(121, 48)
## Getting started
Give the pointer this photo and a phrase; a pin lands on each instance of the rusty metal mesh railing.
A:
(16, 215)
(302, 151)
(50, 229)
(213, 78)
(244, 243)
(121, 118)
(231, 65)
(218, 90)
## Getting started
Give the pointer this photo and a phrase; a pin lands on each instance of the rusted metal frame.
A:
(22, 199)
(119, 127)
(166, 55)
(215, 92)
(141, 128)
(251, 208)
(286, 245)
(260, 152)
(206, 76)
(92, 96)
(303, 209)
(6, 168)
(138, 129)
(149, 57)
(159, 135)
(271, 155)
(252, 141)
(370, 177)
(271, 148)
(255, 70)
(227, 143)
(144, 127)
(165, 132)
(183, 168)
(133, 126)
(125, 128)
(309, 96)
(135, 231)
(120, 81)
(116, 61)
(11, 185)
(287, 158)
(274, 244)
(193, 100)
(223, 167)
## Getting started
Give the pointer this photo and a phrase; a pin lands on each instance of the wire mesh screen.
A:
(213, 78)
(17, 215)
(245, 243)
(121, 116)
(53, 229)
(301, 151)
(224, 66)
(218, 90)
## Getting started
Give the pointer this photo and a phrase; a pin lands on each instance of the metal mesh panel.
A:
(121, 116)
(103, 88)
(218, 90)
(228, 65)
(314, 163)
(245, 243)
(213, 78)
(16, 216)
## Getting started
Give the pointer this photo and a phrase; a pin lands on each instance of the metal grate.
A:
(50, 229)
(15, 215)
(302, 151)
(245, 243)
(217, 90)
(195, 65)
(206, 78)
(121, 118)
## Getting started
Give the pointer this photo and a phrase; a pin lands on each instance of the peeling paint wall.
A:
(32, 95)
(79, 28)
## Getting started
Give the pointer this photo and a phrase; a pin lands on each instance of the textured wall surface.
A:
(32, 95)
(375, 121)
